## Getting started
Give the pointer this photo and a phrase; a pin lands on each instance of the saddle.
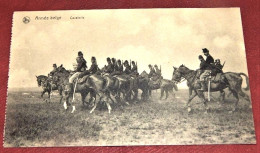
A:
(216, 78)
(83, 79)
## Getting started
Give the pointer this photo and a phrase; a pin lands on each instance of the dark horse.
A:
(62, 77)
(230, 80)
(165, 85)
(43, 82)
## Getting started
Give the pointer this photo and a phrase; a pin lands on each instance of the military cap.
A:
(155, 65)
(54, 65)
(93, 58)
(108, 59)
(150, 65)
(126, 62)
(205, 50)
(80, 53)
(113, 59)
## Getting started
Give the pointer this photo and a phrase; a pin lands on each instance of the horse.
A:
(230, 80)
(165, 85)
(63, 83)
(43, 82)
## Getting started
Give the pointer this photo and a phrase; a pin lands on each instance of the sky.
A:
(166, 37)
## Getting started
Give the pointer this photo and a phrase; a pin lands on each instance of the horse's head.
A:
(178, 73)
(40, 79)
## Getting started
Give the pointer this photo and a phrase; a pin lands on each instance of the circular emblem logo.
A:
(26, 19)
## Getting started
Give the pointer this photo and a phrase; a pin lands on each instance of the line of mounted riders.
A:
(122, 78)
(117, 81)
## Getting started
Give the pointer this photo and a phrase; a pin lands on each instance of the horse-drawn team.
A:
(121, 78)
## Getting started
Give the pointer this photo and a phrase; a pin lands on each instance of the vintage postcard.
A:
(128, 77)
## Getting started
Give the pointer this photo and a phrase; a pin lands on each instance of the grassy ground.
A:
(32, 122)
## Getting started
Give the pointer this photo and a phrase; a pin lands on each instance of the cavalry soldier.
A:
(54, 69)
(120, 66)
(114, 65)
(157, 71)
(152, 71)
(127, 68)
(93, 68)
(207, 69)
(134, 69)
(81, 66)
(217, 67)
(109, 67)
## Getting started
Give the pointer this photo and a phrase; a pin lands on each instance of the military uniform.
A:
(127, 69)
(207, 67)
(81, 66)
(152, 72)
(109, 68)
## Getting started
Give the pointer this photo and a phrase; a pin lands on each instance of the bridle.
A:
(186, 77)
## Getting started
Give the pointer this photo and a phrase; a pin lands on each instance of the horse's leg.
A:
(162, 93)
(95, 102)
(49, 95)
(167, 94)
(234, 92)
(83, 97)
(108, 105)
(43, 92)
(61, 95)
(222, 96)
(191, 97)
(172, 93)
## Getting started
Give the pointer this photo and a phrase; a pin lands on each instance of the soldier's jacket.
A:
(158, 72)
(109, 68)
(208, 63)
(81, 64)
(93, 68)
(203, 65)
(115, 67)
(120, 68)
(152, 72)
(134, 69)
(127, 70)
(53, 71)
(217, 68)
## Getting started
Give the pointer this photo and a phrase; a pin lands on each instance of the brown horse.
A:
(165, 85)
(230, 80)
(62, 78)
(43, 82)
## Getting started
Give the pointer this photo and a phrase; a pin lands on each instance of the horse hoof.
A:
(189, 109)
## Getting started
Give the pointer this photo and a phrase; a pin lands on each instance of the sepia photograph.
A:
(120, 77)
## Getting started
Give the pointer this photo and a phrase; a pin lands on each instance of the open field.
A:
(32, 122)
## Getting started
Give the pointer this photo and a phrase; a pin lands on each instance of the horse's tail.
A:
(247, 80)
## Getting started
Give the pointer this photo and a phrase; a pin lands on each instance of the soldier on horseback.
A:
(109, 67)
(81, 66)
(152, 71)
(114, 65)
(127, 68)
(54, 69)
(120, 66)
(93, 68)
(134, 69)
(217, 68)
(206, 69)
(158, 72)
